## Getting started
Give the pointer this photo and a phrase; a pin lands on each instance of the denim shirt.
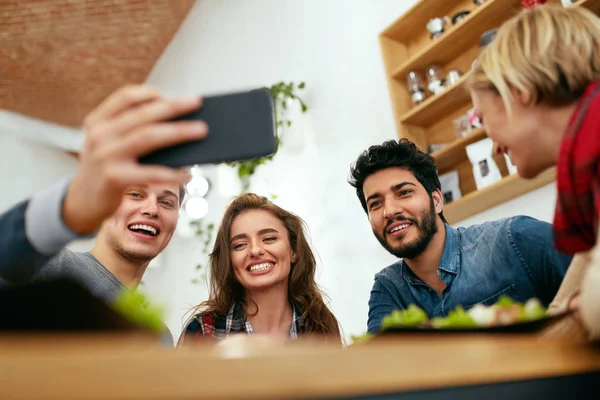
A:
(513, 256)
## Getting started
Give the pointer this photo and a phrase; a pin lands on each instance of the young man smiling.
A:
(125, 244)
(442, 267)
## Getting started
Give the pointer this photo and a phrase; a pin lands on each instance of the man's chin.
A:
(133, 253)
(398, 241)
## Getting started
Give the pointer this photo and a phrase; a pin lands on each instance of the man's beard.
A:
(427, 228)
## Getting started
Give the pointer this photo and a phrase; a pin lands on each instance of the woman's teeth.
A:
(260, 267)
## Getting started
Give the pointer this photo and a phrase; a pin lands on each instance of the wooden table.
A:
(36, 367)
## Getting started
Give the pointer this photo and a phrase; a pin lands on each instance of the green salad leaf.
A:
(410, 317)
(505, 301)
(414, 316)
(136, 307)
(365, 337)
(457, 318)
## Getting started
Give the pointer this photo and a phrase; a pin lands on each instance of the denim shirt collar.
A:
(450, 261)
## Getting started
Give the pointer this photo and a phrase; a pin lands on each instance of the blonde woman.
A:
(537, 89)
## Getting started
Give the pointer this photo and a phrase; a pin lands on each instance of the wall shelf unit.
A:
(406, 46)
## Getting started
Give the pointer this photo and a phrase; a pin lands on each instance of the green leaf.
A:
(243, 171)
(195, 281)
(198, 267)
(504, 301)
(135, 307)
(365, 337)
(301, 85)
(457, 318)
(409, 317)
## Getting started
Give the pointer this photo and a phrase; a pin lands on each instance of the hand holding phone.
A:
(128, 124)
(241, 126)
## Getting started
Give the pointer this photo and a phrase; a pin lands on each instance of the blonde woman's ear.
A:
(523, 97)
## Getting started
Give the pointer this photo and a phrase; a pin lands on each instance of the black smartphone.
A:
(241, 126)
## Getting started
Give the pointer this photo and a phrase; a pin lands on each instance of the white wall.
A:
(28, 166)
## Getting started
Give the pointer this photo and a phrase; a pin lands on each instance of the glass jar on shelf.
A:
(435, 79)
(415, 87)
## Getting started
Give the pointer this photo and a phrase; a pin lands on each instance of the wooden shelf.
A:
(593, 5)
(414, 20)
(459, 37)
(427, 113)
(480, 200)
(406, 46)
(446, 158)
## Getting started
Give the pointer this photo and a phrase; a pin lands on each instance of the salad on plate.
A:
(502, 313)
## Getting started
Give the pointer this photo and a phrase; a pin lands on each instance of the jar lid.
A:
(487, 37)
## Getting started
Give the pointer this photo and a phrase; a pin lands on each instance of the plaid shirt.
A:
(578, 177)
(203, 326)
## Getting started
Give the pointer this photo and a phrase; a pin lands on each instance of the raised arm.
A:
(127, 125)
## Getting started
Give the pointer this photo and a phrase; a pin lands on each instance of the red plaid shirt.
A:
(578, 177)
(206, 327)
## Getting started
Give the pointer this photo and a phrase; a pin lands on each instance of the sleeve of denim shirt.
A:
(381, 303)
(533, 241)
(34, 233)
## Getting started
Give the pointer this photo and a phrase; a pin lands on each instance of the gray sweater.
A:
(90, 273)
(86, 270)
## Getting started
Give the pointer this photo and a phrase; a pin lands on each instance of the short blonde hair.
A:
(552, 53)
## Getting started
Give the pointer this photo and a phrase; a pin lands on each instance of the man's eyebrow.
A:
(373, 196)
(170, 193)
(395, 187)
(402, 184)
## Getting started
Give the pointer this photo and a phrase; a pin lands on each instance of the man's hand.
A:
(128, 124)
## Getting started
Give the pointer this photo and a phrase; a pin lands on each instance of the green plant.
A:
(136, 307)
(284, 94)
(205, 233)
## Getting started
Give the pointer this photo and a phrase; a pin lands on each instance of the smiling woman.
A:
(262, 278)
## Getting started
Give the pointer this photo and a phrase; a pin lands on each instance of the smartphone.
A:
(241, 126)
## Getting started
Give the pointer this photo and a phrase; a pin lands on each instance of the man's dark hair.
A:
(402, 153)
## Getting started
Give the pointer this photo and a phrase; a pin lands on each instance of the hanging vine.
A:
(284, 96)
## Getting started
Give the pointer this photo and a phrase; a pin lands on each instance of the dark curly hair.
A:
(402, 153)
